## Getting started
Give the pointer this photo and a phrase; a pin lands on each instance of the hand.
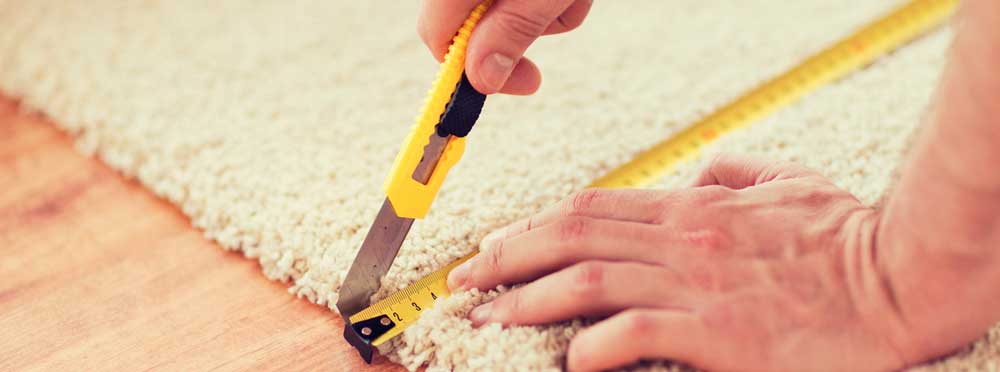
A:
(758, 266)
(494, 59)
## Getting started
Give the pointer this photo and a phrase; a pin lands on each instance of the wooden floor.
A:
(96, 273)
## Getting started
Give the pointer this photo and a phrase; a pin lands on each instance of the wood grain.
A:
(96, 273)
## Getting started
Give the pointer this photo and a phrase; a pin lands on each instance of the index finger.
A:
(633, 205)
(591, 288)
(438, 21)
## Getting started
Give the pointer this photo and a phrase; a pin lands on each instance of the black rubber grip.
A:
(462, 111)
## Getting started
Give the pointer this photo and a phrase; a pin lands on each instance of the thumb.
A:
(738, 172)
(499, 41)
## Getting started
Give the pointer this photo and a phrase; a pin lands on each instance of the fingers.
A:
(494, 60)
(639, 334)
(571, 18)
(502, 36)
(738, 172)
(555, 246)
(590, 224)
(642, 206)
(439, 20)
(524, 80)
(592, 288)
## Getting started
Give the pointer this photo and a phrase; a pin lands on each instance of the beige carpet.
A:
(272, 124)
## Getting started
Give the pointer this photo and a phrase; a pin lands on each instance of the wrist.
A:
(941, 298)
(872, 288)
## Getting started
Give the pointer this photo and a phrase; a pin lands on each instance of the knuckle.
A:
(512, 302)
(816, 196)
(718, 160)
(797, 170)
(529, 223)
(709, 238)
(521, 23)
(581, 202)
(637, 322)
(705, 196)
(816, 192)
(573, 230)
(589, 279)
(572, 21)
(495, 258)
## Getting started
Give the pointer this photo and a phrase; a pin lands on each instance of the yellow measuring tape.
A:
(848, 55)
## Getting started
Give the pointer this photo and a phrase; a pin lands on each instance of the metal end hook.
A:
(361, 334)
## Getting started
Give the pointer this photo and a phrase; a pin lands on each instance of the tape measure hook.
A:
(361, 334)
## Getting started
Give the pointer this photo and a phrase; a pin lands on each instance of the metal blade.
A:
(373, 260)
(382, 243)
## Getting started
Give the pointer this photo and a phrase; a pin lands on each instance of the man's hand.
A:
(494, 61)
(757, 266)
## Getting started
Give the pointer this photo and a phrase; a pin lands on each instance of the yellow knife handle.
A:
(410, 198)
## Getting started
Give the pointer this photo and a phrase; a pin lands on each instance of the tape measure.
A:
(403, 308)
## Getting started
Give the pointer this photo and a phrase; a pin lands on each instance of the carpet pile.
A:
(271, 124)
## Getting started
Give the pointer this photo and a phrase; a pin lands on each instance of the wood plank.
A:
(99, 274)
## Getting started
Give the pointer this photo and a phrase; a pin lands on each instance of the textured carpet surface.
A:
(272, 124)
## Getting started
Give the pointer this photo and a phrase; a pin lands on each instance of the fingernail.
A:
(480, 314)
(458, 276)
(494, 71)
